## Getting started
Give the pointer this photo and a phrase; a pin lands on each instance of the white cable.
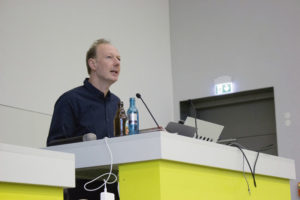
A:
(102, 175)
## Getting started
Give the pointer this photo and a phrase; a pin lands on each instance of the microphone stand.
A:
(195, 116)
(140, 97)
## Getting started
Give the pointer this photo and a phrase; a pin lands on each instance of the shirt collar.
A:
(94, 90)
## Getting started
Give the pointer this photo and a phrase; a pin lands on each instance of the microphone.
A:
(195, 116)
(138, 95)
(82, 138)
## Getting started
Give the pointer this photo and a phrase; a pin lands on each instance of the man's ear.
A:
(92, 63)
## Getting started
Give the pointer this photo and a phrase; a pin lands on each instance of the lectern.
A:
(164, 166)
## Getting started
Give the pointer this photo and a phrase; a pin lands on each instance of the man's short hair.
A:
(91, 53)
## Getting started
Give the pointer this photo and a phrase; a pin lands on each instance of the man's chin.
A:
(113, 80)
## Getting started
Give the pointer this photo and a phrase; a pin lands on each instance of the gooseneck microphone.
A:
(195, 115)
(138, 95)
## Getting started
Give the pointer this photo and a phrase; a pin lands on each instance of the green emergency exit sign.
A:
(224, 88)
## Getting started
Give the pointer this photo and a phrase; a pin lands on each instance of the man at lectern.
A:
(89, 108)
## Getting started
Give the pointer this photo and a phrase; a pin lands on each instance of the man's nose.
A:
(116, 61)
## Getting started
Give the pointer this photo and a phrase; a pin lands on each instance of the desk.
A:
(164, 166)
(34, 174)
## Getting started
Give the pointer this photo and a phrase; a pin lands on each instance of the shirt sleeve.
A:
(63, 124)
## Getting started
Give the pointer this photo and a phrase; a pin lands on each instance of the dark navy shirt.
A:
(83, 110)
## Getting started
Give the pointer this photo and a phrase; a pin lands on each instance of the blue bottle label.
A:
(133, 118)
(133, 123)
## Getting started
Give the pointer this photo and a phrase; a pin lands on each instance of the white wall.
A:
(42, 55)
(255, 42)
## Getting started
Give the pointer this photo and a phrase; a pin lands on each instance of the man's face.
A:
(106, 65)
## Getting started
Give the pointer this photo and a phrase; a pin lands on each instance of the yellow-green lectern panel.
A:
(142, 178)
(15, 191)
(168, 180)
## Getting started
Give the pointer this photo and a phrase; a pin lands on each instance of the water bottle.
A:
(133, 117)
(120, 121)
